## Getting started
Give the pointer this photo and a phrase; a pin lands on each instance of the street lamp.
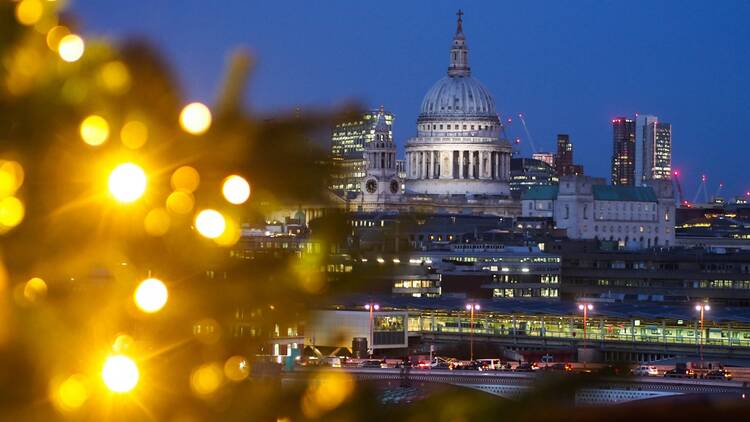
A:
(702, 308)
(585, 307)
(471, 307)
(372, 307)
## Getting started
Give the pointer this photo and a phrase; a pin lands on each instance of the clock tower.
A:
(381, 183)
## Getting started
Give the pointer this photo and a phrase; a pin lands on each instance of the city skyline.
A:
(693, 79)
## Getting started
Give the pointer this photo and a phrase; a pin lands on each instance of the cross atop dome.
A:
(459, 65)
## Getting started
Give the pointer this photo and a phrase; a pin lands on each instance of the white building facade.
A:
(587, 208)
(458, 149)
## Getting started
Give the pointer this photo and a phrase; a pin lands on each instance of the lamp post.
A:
(702, 308)
(471, 307)
(585, 307)
(372, 307)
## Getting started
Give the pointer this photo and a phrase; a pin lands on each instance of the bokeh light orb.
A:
(70, 48)
(71, 393)
(94, 130)
(120, 374)
(11, 178)
(151, 295)
(12, 212)
(186, 179)
(195, 118)
(206, 379)
(134, 134)
(157, 221)
(236, 190)
(210, 223)
(35, 289)
(127, 182)
(54, 36)
(180, 202)
(29, 12)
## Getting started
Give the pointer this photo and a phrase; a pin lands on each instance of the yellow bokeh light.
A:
(35, 289)
(236, 190)
(180, 202)
(326, 392)
(28, 12)
(206, 379)
(114, 77)
(94, 130)
(11, 178)
(236, 368)
(120, 373)
(134, 134)
(123, 344)
(54, 36)
(70, 394)
(231, 234)
(195, 118)
(70, 48)
(11, 213)
(151, 295)
(127, 182)
(207, 331)
(210, 223)
(157, 222)
(185, 179)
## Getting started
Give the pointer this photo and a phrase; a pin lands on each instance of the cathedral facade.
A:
(458, 162)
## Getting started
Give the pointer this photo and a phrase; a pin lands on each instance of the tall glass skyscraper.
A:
(623, 151)
(657, 151)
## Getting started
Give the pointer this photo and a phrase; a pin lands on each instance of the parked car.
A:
(559, 367)
(371, 363)
(527, 367)
(718, 374)
(680, 373)
(645, 371)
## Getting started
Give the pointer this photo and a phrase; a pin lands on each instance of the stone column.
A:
(428, 164)
(506, 175)
(471, 164)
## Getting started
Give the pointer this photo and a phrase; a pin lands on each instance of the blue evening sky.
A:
(569, 66)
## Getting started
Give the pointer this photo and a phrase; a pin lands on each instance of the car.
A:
(718, 374)
(527, 367)
(559, 367)
(680, 373)
(468, 366)
(645, 371)
(371, 363)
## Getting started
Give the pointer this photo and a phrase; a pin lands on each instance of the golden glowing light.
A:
(151, 295)
(70, 48)
(156, 222)
(185, 179)
(326, 392)
(236, 368)
(28, 12)
(94, 130)
(206, 379)
(70, 394)
(11, 178)
(195, 118)
(134, 134)
(114, 77)
(207, 331)
(123, 344)
(127, 182)
(236, 190)
(180, 202)
(54, 36)
(35, 289)
(230, 235)
(120, 373)
(210, 223)
(12, 212)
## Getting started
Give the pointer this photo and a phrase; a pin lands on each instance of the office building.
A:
(564, 158)
(657, 151)
(623, 151)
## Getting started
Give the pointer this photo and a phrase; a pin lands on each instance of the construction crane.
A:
(718, 191)
(526, 129)
(701, 188)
